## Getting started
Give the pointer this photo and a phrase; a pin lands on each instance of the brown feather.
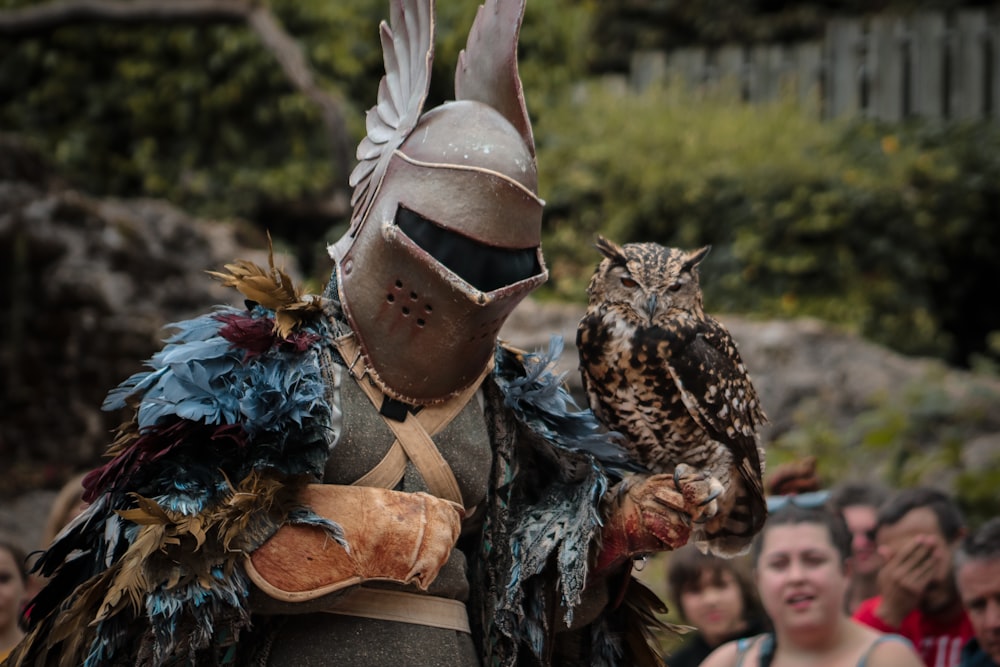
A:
(644, 627)
(273, 289)
(125, 435)
(171, 549)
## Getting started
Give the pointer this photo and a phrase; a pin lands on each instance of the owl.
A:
(667, 377)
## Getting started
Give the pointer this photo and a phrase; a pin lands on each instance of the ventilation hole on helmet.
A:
(399, 284)
(428, 308)
(390, 298)
(406, 311)
(420, 322)
(413, 296)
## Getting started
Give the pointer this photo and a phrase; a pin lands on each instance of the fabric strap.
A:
(387, 472)
(413, 434)
(403, 607)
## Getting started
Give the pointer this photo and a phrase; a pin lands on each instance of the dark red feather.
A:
(154, 444)
(253, 335)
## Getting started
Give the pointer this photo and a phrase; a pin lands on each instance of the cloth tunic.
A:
(973, 655)
(938, 643)
(322, 638)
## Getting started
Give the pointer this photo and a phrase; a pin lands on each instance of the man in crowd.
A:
(917, 533)
(858, 503)
(977, 573)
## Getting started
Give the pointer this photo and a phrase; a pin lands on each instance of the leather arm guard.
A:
(642, 515)
(392, 536)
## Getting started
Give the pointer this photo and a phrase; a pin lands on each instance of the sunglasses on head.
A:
(808, 500)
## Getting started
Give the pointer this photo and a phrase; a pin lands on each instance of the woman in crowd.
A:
(13, 580)
(716, 596)
(67, 505)
(802, 570)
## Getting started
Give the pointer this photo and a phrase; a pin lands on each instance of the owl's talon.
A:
(715, 494)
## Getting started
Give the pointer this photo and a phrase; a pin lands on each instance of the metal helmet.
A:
(445, 236)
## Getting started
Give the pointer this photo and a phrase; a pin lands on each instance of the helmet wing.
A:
(407, 50)
(487, 67)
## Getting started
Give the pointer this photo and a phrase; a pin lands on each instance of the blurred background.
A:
(841, 157)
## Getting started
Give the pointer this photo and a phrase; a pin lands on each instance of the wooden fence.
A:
(933, 65)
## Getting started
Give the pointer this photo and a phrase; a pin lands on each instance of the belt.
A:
(386, 605)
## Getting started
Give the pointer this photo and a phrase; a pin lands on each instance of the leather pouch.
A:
(393, 536)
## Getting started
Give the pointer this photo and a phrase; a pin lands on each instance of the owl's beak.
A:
(651, 305)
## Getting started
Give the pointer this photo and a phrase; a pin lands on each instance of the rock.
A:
(91, 284)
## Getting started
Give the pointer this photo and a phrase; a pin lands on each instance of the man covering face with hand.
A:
(917, 533)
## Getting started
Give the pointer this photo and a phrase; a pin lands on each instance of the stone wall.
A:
(88, 287)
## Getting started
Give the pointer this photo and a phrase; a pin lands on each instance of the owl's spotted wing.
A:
(599, 375)
(587, 345)
(717, 391)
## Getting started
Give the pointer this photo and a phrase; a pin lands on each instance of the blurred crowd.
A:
(853, 575)
(17, 586)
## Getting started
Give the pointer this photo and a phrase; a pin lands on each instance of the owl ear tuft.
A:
(694, 258)
(610, 249)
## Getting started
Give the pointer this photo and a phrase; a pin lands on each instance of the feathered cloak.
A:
(231, 418)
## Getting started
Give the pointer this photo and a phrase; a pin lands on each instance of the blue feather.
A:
(564, 522)
(202, 327)
(304, 516)
(276, 400)
(607, 650)
(539, 399)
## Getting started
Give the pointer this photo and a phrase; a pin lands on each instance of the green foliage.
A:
(887, 231)
(914, 435)
(204, 116)
(977, 494)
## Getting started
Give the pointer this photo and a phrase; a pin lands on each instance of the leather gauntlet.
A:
(393, 536)
(643, 514)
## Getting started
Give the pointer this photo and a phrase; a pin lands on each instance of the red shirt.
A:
(939, 644)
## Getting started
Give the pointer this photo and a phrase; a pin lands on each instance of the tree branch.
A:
(289, 55)
(33, 19)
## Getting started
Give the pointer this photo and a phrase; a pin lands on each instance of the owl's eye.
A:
(673, 287)
(628, 282)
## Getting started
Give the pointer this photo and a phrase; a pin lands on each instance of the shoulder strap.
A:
(767, 646)
(881, 639)
(413, 434)
(387, 472)
(765, 654)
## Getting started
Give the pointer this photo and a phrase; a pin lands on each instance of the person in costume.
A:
(367, 477)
